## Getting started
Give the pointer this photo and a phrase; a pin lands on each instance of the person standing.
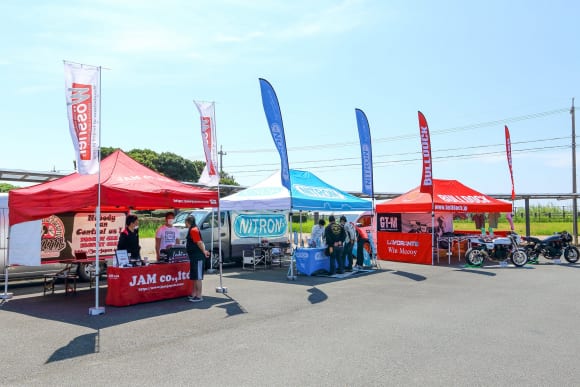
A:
(348, 242)
(362, 237)
(197, 253)
(479, 220)
(166, 235)
(492, 220)
(335, 235)
(129, 237)
(317, 233)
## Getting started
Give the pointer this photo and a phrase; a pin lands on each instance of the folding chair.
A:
(253, 258)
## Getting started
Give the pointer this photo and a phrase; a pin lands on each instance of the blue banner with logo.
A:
(274, 117)
(366, 152)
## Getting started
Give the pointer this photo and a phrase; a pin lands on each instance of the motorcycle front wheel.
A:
(474, 257)
(571, 254)
(519, 257)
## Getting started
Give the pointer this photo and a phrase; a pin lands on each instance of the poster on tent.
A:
(404, 247)
(419, 223)
(414, 223)
(65, 234)
(407, 237)
(250, 228)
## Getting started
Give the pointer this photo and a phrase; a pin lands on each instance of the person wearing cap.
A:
(335, 236)
(348, 242)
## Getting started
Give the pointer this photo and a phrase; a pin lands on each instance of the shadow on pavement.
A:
(74, 309)
(411, 276)
(487, 273)
(316, 296)
(79, 346)
(280, 275)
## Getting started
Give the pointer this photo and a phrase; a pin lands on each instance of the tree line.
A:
(166, 163)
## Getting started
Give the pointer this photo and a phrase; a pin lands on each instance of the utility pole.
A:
(222, 154)
(574, 204)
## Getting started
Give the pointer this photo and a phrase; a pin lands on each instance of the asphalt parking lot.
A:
(401, 325)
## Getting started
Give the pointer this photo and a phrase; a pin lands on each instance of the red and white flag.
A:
(508, 151)
(427, 177)
(83, 99)
(210, 175)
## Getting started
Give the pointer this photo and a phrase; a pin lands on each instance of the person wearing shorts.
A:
(197, 253)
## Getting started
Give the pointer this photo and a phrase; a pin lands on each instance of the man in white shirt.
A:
(317, 233)
(166, 235)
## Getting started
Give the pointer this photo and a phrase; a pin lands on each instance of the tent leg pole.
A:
(6, 295)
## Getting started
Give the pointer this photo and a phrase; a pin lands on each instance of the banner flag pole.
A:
(97, 310)
(83, 101)
(274, 119)
(366, 153)
(427, 176)
(211, 175)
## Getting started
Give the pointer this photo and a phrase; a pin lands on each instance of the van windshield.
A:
(199, 216)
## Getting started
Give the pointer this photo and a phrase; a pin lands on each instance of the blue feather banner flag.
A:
(274, 118)
(366, 152)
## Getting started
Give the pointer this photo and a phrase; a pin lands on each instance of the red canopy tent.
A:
(125, 184)
(449, 196)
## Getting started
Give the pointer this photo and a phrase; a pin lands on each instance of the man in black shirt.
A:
(129, 238)
(335, 235)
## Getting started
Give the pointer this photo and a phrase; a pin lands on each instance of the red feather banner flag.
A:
(427, 177)
(508, 151)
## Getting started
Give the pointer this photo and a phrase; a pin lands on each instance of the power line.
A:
(381, 164)
(504, 121)
(378, 157)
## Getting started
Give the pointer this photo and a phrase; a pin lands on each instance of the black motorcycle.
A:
(553, 247)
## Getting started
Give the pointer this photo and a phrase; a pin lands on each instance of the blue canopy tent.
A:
(309, 193)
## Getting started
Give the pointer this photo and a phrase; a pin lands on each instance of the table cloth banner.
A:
(135, 285)
(311, 260)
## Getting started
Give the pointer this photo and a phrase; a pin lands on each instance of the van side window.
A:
(213, 219)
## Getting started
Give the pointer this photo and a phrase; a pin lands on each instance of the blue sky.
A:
(470, 67)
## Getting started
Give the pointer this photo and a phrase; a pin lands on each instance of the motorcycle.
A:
(497, 249)
(551, 248)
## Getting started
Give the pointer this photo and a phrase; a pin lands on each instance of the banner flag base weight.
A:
(95, 311)
(222, 289)
(6, 296)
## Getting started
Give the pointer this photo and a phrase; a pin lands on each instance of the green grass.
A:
(536, 228)
(148, 226)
